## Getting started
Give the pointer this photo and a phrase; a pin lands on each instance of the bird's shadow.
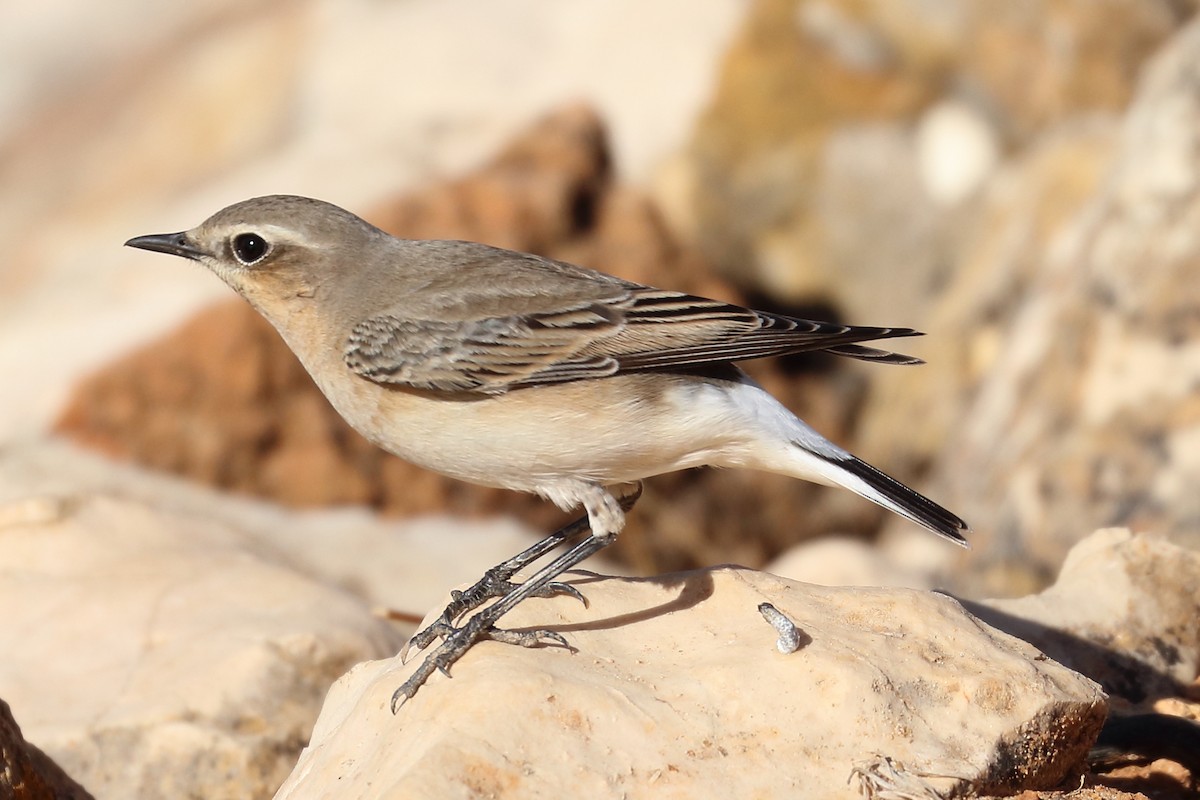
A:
(1139, 738)
(1119, 673)
(693, 588)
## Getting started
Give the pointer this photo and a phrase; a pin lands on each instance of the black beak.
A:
(176, 244)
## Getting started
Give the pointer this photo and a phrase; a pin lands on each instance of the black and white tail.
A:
(787, 445)
(878, 487)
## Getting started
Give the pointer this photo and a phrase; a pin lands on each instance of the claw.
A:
(405, 693)
(556, 588)
(557, 638)
(443, 626)
(534, 638)
(458, 641)
(424, 637)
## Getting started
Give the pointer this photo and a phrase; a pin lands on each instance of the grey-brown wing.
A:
(670, 330)
(640, 330)
(488, 355)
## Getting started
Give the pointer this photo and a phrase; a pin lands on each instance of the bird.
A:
(511, 370)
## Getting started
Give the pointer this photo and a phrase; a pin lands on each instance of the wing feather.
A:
(635, 330)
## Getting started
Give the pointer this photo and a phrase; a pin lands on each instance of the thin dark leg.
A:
(496, 581)
(481, 626)
(459, 640)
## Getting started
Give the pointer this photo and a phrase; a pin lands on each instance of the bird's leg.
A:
(496, 581)
(457, 641)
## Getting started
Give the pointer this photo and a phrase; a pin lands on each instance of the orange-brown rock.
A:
(223, 401)
(26, 773)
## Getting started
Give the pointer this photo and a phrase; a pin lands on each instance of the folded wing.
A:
(635, 329)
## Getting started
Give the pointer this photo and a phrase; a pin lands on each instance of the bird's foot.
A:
(457, 641)
(496, 583)
(493, 584)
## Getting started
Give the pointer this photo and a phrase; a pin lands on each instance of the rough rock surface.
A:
(151, 654)
(89, 549)
(1089, 793)
(1138, 637)
(677, 679)
(1125, 611)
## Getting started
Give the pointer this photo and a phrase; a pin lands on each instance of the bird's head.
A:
(269, 248)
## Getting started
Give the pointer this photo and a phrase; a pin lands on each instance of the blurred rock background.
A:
(1021, 180)
(1012, 178)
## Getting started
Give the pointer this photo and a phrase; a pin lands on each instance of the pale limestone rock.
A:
(1125, 611)
(676, 689)
(1070, 337)
(153, 654)
(404, 565)
(155, 630)
(835, 561)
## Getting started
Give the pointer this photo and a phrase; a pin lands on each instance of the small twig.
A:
(883, 778)
(396, 615)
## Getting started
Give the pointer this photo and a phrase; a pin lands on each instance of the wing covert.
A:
(639, 330)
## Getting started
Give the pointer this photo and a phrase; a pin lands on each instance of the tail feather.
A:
(873, 354)
(810, 456)
(895, 496)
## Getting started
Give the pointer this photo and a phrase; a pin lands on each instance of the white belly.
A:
(609, 431)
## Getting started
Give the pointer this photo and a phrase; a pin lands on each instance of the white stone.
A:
(846, 562)
(957, 150)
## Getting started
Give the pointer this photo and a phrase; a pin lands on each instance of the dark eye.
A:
(249, 247)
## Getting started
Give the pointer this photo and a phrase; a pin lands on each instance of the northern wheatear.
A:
(507, 369)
